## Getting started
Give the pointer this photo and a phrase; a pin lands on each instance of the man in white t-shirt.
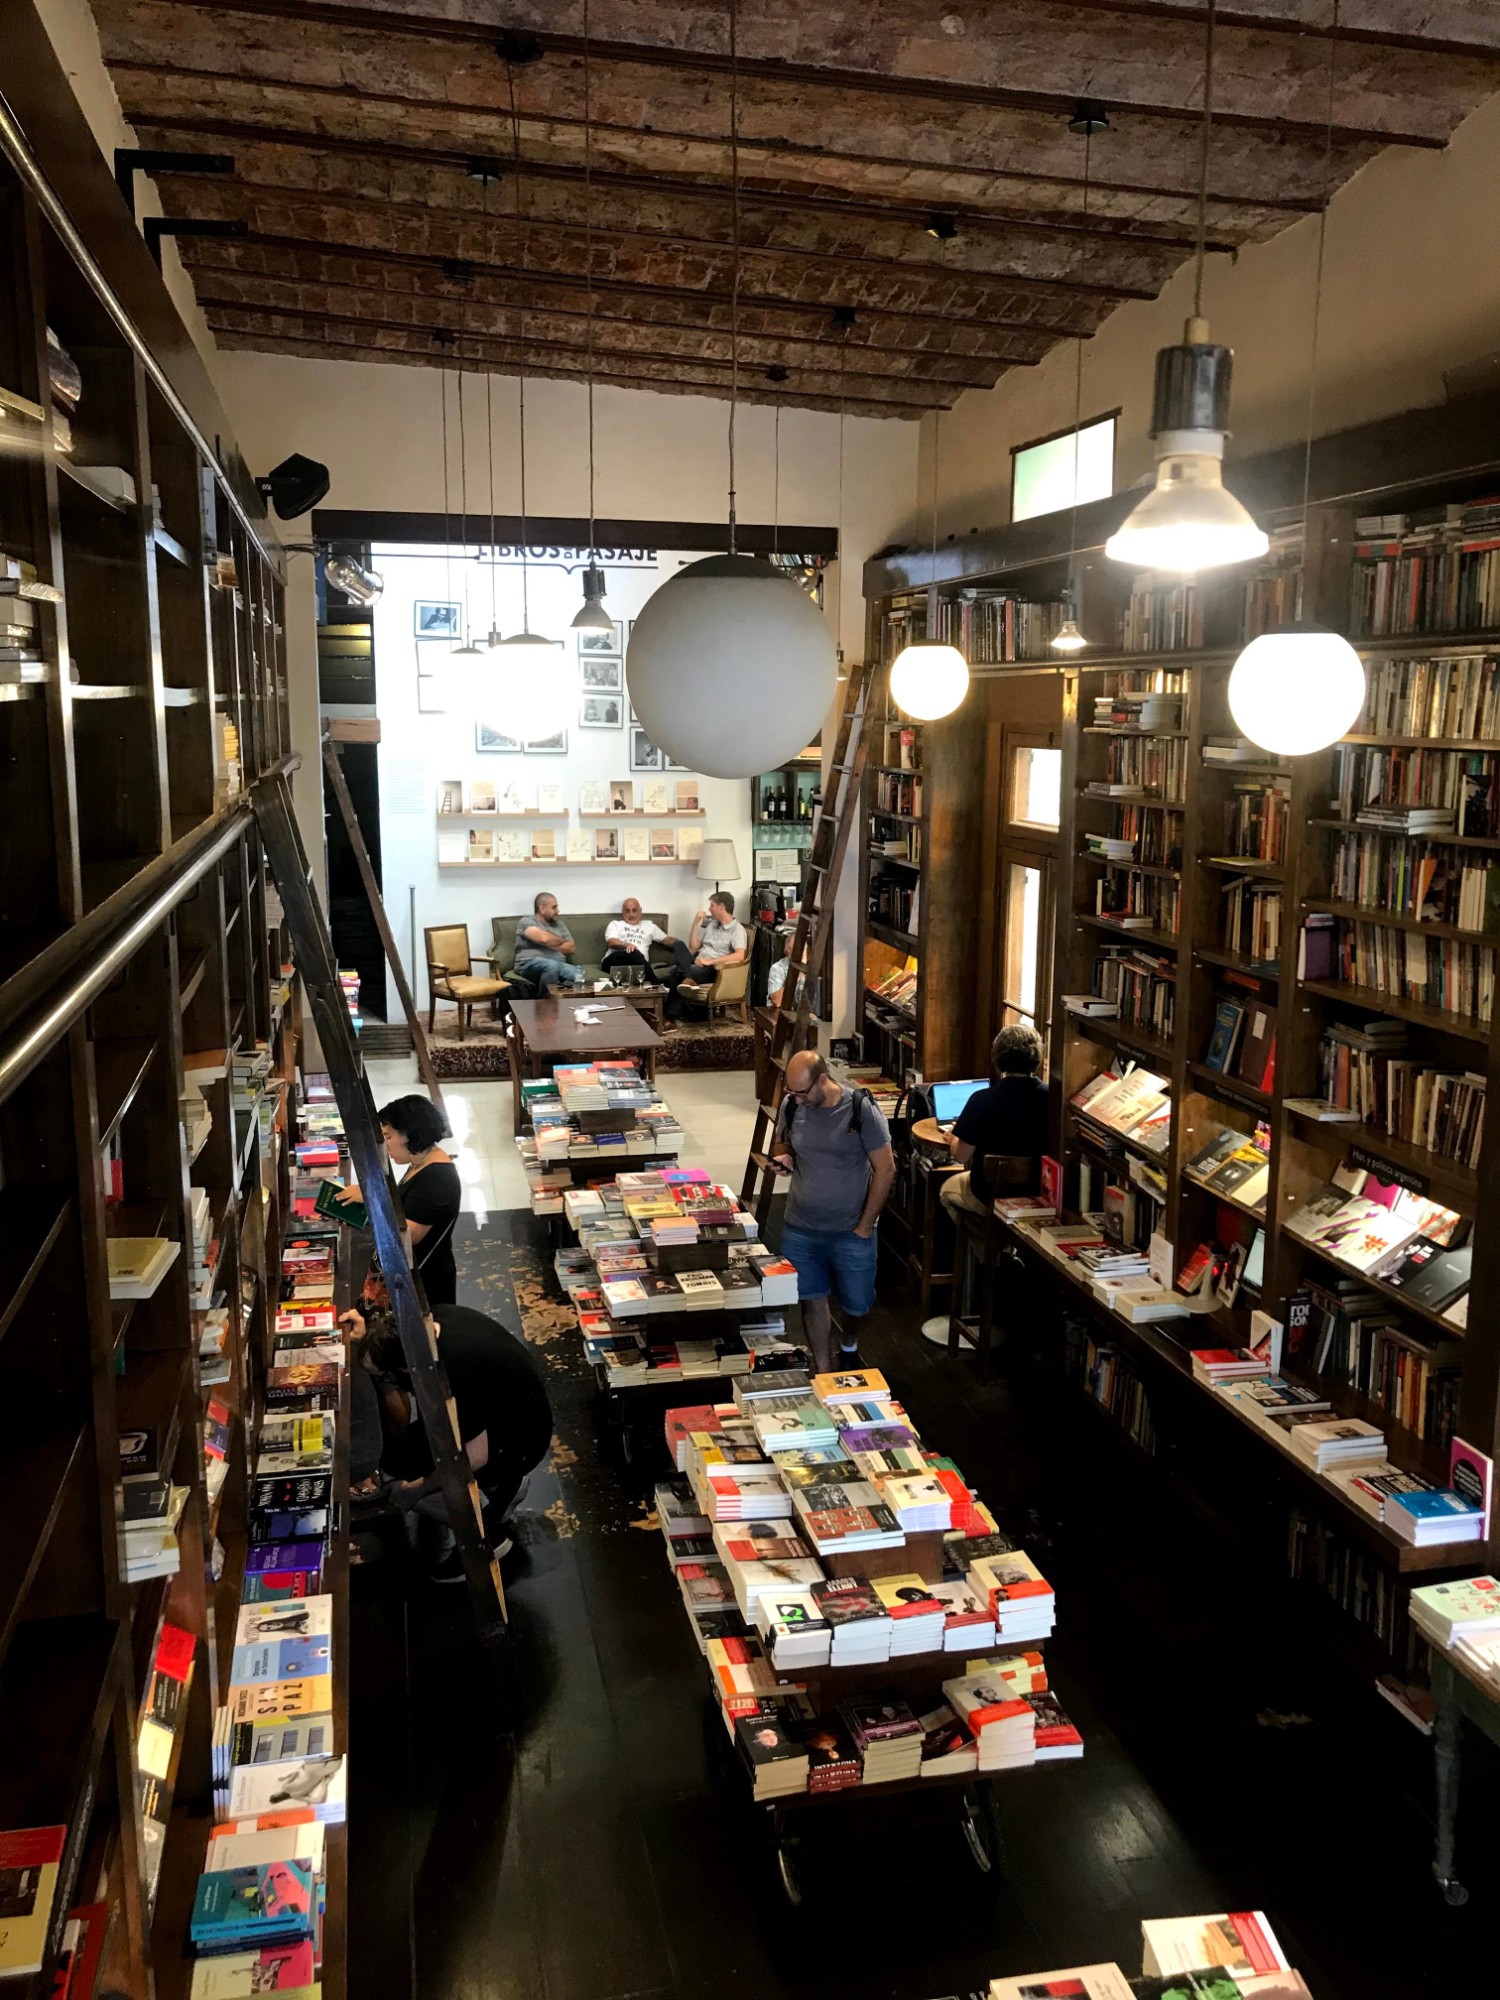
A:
(630, 938)
(715, 940)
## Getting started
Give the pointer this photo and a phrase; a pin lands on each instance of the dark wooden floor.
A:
(596, 1854)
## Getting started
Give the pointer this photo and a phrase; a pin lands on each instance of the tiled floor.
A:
(715, 1108)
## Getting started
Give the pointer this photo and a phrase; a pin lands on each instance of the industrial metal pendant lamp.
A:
(731, 668)
(1300, 689)
(929, 678)
(1190, 521)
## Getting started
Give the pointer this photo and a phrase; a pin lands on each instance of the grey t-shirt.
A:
(832, 1172)
(541, 954)
(717, 940)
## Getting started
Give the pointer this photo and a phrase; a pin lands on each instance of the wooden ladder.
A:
(313, 950)
(842, 807)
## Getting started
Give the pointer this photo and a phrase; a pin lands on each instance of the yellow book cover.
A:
(29, 1861)
(275, 1699)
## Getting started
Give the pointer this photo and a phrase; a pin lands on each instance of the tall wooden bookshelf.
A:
(1347, 1572)
(138, 928)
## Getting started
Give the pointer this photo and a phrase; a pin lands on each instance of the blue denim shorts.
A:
(838, 1261)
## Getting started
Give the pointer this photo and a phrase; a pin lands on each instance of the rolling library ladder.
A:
(814, 931)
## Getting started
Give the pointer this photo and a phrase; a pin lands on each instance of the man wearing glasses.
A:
(836, 1145)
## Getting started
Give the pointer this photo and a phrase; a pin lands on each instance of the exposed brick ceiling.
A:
(353, 130)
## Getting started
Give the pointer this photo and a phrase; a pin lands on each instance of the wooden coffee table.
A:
(549, 1032)
(648, 1000)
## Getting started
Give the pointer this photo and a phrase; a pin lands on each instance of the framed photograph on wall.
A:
(439, 621)
(644, 755)
(548, 746)
(602, 711)
(487, 737)
(602, 676)
(610, 643)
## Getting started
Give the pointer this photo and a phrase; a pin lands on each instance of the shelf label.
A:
(1387, 1170)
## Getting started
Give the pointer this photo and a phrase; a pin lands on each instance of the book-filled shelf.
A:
(149, 1044)
(1273, 1033)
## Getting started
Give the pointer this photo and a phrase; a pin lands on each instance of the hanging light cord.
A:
(776, 482)
(588, 251)
(515, 137)
(734, 290)
(447, 521)
(1317, 311)
(463, 494)
(489, 431)
(1088, 149)
(1208, 125)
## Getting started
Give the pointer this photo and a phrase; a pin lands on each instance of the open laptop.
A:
(949, 1099)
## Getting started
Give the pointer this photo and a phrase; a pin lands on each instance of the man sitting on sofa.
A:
(545, 948)
(715, 940)
(630, 938)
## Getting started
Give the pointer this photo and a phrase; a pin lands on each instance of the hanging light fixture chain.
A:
(1208, 124)
(588, 251)
(447, 522)
(1317, 309)
(734, 291)
(515, 140)
(1088, 151)
(489, 428)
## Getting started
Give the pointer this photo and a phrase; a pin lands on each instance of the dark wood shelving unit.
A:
(1392, 466)
(136, 924)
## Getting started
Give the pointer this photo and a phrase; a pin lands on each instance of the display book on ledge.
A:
(1235, 1955)
(862, 1617)
(658, 1243)
(590, 1117)
(278, 1762)
(1369, 1227)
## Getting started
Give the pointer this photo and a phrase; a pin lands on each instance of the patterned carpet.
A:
(481, 1053)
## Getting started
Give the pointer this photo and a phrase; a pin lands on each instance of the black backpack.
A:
(788, 1111)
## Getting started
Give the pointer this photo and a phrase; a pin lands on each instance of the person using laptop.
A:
(1009, 1117)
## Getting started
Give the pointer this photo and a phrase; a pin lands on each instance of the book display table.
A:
(561, 1028)
(870, 1636)
(1463, 1692)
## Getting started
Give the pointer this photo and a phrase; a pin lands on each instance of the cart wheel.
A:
(981, 1829)
(786, 1863)
(627, 1443)
(1455, 1895)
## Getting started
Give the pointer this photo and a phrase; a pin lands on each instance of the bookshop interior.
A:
(566, 1438)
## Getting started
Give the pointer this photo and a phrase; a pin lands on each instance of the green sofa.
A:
(588, 935)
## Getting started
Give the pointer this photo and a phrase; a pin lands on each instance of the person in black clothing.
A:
(504, 1417)
(1009, 1116)
(430, 1191)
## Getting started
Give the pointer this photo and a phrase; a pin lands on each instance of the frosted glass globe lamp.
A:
(929, 678)
(731, 667)
(1296, 691)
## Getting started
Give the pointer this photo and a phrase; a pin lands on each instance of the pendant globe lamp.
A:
(1302, 688)
(929, 678)
(731, 668)
(1190, 521)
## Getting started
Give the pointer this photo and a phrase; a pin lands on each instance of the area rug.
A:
(481, 1053)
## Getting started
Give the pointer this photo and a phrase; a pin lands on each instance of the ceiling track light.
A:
(362, 586)
(484, 168)
(1190, 521)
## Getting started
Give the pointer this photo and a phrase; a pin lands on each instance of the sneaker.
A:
(849, 1357)
(449, 1570)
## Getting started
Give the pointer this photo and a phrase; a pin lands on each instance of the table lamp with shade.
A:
(718, 862)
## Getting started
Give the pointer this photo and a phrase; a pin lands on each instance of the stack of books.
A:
(777, 1761)
(991, 1704)
(887, 1736)
(792, 1629)
(856, 1618)
(1016, 1595)
(1219, 1367)
(1330, 1442)
(917, 1616)
(844, 1518)
(1451, 1613)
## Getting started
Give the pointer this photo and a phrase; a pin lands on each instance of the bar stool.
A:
(978, 1247)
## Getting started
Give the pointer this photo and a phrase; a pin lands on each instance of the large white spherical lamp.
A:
(1296, 691)
(731, 667)
(527, 687)
(928, 679)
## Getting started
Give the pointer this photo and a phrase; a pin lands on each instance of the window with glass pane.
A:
(1023, 931)
(1036, 787)
(1042, 475)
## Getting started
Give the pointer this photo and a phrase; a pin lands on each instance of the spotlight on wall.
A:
(362, 585)
(295, 486)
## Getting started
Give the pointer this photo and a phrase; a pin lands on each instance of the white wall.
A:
(419, 751)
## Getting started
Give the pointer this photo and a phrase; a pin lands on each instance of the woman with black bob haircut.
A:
(430, 1192)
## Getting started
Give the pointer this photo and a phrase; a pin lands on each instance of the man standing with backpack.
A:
(836, 1145)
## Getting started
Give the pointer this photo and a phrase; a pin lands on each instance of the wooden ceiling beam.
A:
(1271, 22)
(1053, 223)
(238, 199)
(217, 269)
(147, 78)
(210, 254)
(668, 383)
(853, 383)
(699, 60)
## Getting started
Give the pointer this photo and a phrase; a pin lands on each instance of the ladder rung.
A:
(763, 1161)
